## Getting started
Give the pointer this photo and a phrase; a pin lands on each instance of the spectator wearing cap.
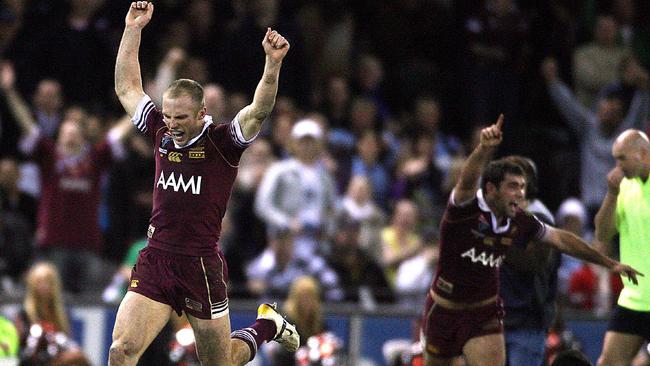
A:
(585, 286)
(298, 193)
(571, 216)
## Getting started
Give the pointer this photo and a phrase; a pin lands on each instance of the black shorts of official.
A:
(629, 321)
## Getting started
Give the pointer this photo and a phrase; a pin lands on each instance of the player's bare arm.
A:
(128, 80)
(572, 245)
(15, 102)
(251, 117)
(467, 185)
(605, 220)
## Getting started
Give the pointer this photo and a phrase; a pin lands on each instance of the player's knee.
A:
(121, 351)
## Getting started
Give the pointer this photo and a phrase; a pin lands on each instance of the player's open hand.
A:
(275, 46)
(629, 272)
(614, 178)
(139, 14)
(491, 136)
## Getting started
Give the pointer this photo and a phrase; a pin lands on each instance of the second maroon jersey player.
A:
(473, 246)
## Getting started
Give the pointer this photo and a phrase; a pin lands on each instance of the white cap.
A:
(571, 207)
(306, 127)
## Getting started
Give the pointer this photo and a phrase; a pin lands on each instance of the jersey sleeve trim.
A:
(238, 135)
(144, 107)
(543, 233)
(465, 203)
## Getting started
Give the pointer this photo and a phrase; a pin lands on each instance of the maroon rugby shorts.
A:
(195, 285)
(446, 331)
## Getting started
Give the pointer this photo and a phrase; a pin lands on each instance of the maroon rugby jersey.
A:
(70, 195)
(472, 248)
(192, 184)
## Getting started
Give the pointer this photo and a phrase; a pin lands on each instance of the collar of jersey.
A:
(207, 121)
(485, 208)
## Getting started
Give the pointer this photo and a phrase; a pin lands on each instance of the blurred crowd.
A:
(379, 103)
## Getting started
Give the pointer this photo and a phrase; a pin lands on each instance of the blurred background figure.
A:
(17, 224)
(414, 275)
(400, 240)
(303, 307)
(360, 275)
(497, 57)
(271, 274)
(595, 129)
(358, 205)
(595, 63)
(43, 325)
(298, 193)
(571, 216)
(244, 236)
(71, 169)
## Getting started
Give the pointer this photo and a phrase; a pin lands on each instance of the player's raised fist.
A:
(139, 14)
(492, 135)
(275, 46)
